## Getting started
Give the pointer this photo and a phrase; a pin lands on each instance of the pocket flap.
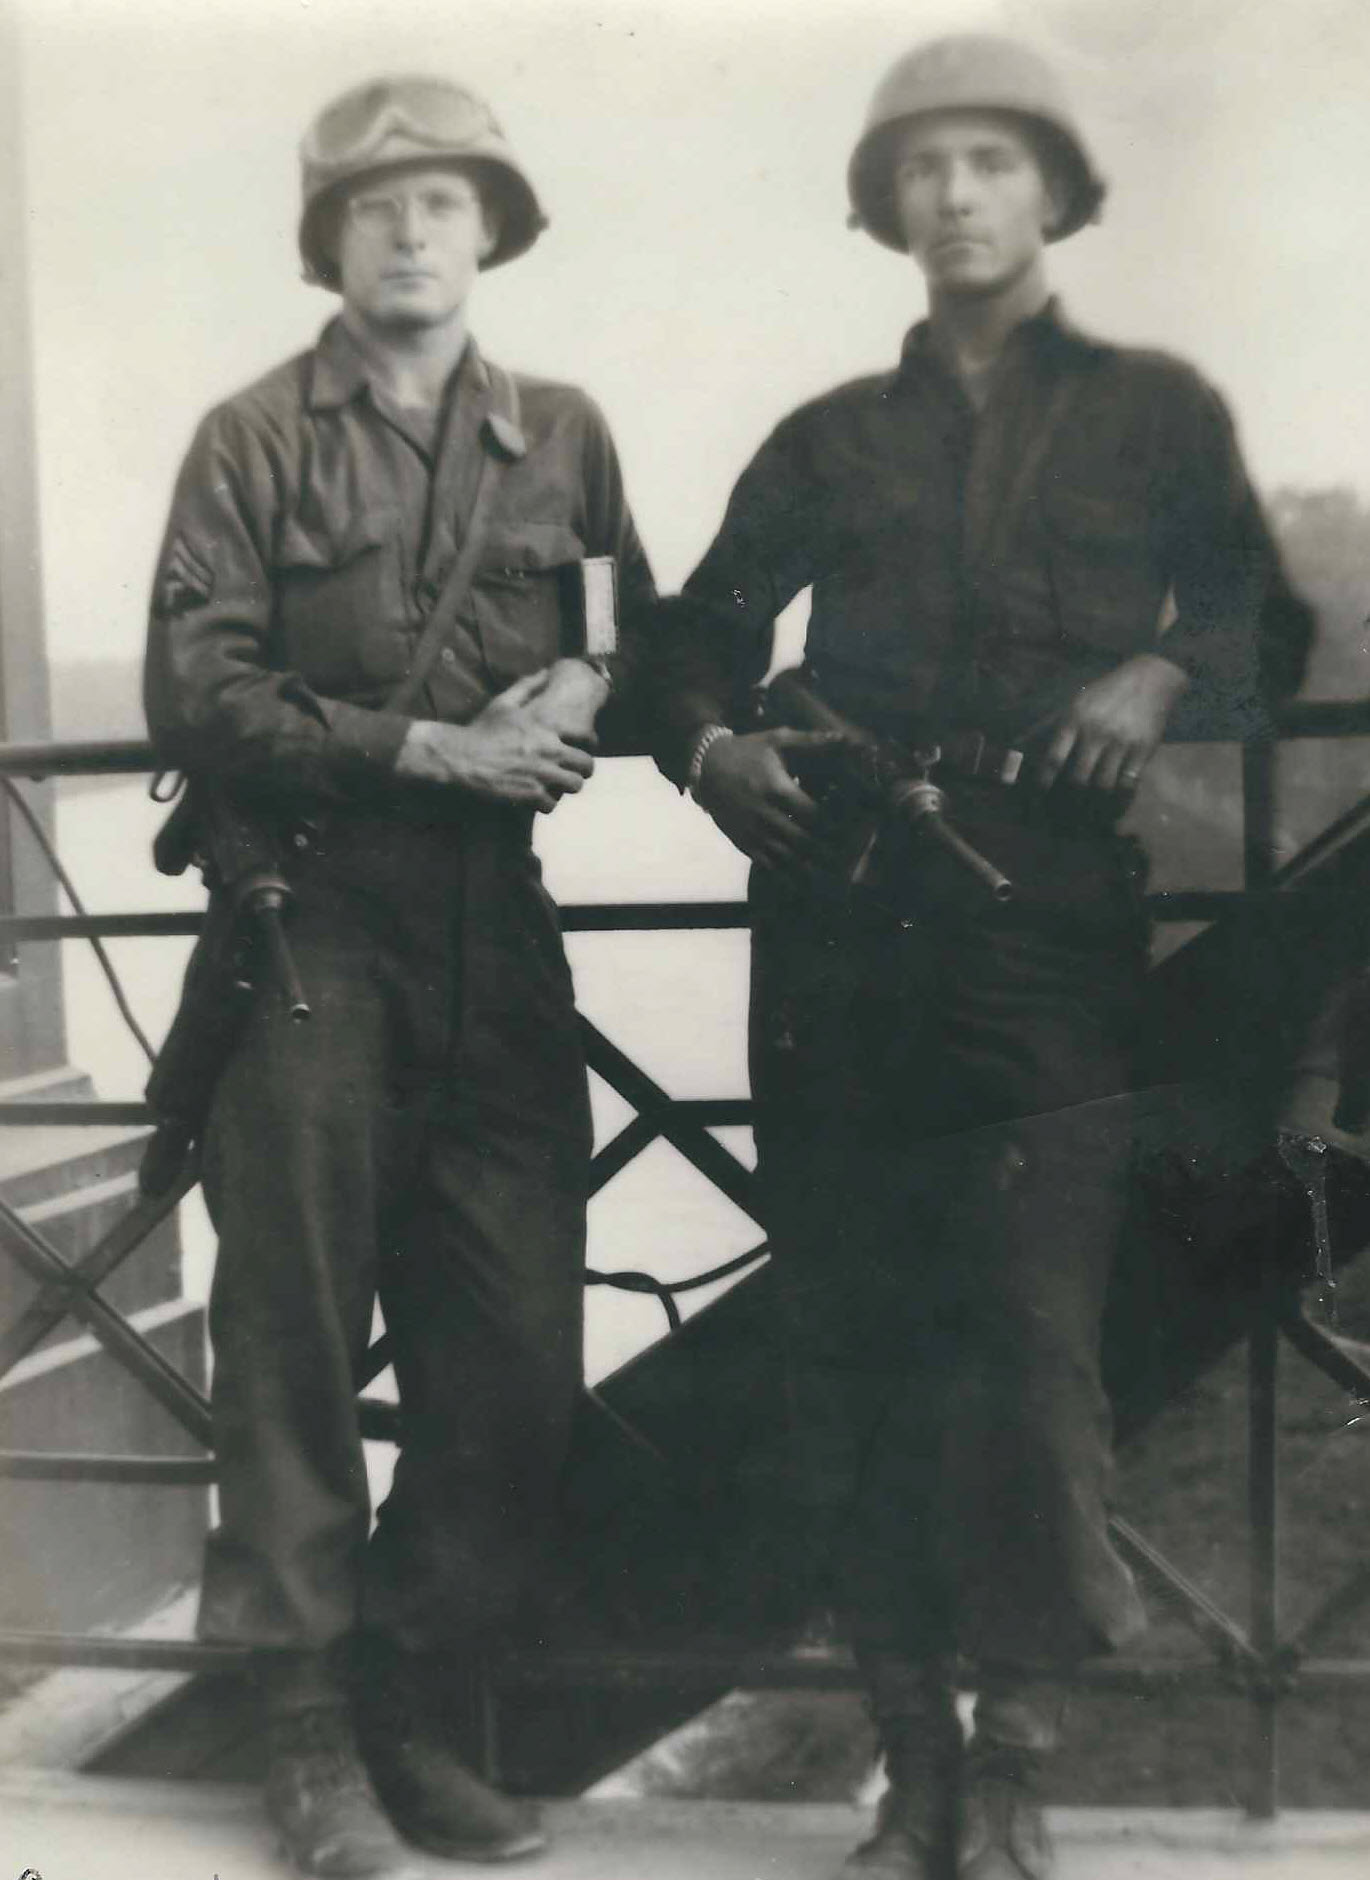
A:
(530, 548)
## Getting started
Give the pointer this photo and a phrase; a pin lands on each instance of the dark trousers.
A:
(943, 1151)
(423, 1139)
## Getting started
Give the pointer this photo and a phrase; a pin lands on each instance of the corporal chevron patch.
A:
(185, 580)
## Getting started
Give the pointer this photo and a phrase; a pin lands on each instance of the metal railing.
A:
(1259, 1659)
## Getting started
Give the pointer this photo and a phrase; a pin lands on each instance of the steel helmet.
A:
(969, 72)
(390, 121)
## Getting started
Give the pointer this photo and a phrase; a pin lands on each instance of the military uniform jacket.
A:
(311, 530)
(973, 569)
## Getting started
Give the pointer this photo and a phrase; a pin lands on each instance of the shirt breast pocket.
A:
(1107, 586)
(339, 604)
(520, 596)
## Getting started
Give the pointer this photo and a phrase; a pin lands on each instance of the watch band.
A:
(703, 744)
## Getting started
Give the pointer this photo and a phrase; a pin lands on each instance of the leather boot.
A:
(914, 1709)
(1001, 1834)
(320, 1799)
(432, 1796)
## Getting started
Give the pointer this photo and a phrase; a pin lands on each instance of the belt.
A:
(961, 751)
(973, 754)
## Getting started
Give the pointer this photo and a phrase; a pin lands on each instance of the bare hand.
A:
(505, 754)
(569, 702)
(1108, 732)
(747, 788)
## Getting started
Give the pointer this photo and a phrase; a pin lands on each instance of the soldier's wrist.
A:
(599, 663)
(427, 749)
(409, 758)
(705, 740)
(1170, 669)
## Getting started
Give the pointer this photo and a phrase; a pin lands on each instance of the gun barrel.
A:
(880, 775)
(265, 905)
(920, 803)
(994, 879)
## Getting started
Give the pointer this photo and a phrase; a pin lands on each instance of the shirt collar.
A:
(1048, 333)
(341, 371)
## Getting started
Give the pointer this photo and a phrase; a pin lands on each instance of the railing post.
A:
(1259, 758)
(1263, 1351)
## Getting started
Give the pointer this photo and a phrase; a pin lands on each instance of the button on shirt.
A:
(311, 531)
(974, 569)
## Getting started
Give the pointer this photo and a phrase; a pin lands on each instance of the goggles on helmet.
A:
(418, 111)
(405, 121)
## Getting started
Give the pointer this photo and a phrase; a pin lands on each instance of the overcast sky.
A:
(698, 276)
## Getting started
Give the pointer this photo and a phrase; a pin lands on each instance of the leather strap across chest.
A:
(501, 443)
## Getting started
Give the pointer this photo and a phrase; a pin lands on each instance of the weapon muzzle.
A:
(265, 900)
(920, 803)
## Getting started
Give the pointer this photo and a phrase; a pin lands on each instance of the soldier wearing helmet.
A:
(363, 638)
(1024, 547)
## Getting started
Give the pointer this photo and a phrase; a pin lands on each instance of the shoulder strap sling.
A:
(501, 444)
